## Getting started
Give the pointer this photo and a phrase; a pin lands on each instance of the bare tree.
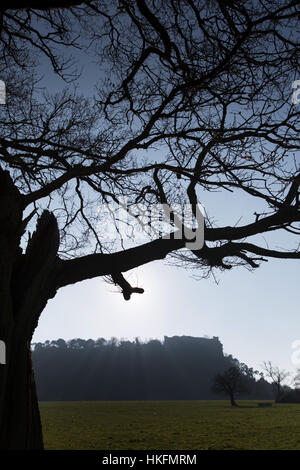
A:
(205, 85)
(232, 382)
(278, 377)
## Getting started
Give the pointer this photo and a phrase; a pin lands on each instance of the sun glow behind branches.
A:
(141, 310)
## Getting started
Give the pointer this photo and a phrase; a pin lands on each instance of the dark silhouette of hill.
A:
(179, 368)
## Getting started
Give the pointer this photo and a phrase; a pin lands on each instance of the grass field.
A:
(165, 425)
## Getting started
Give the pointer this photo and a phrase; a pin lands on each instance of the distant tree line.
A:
(178, 368)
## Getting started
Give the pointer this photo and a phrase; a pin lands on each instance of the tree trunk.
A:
(278, 392)
(232, 401)
(27, 281)
(20, 420)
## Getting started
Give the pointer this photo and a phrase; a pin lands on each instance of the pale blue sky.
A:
(255, 314)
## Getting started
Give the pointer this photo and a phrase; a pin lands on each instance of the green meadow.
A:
(165, 425)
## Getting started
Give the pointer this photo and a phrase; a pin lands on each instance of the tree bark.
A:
(26, 284)
(20, 417)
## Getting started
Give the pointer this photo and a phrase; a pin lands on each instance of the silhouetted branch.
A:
(87, 267)
(127, 289)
